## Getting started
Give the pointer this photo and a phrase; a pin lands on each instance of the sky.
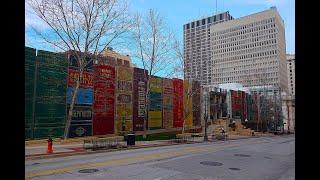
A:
(179, 12)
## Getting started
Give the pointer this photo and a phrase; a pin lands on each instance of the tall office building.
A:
(250, 50)
(291, 73)
(197, 48)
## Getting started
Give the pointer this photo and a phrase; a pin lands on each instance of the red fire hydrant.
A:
(49, 151)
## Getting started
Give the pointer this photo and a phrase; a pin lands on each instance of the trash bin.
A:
(131, 140)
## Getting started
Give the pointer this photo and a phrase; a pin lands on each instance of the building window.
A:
(192, 25)
(198, 23)
(203, 21)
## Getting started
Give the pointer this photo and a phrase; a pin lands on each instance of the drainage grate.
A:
(235, 169)
(268, 157)
(211, 163)
(35, 163)
(88, 170)
(242, 155)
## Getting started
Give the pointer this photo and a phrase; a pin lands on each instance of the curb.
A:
(83, 152)
(64, 154)
(54, 155)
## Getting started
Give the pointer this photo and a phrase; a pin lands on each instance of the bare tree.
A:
(187, 95)
(153, 44)
(264, 98)
(178, 71)
(84, 28)
(251, 80)
(179, 66)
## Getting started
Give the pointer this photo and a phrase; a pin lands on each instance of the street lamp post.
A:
(206, 118)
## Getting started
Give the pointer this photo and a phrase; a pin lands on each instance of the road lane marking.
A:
(135, 159)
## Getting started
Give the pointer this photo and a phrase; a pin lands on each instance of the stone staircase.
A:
(216, 127)
(240, 129)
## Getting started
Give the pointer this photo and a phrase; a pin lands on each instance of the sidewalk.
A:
(59, 150)
(234, 137)
(42, 149)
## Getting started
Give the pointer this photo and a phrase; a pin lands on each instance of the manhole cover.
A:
(211, 163)
(268, 157)
(235, 169)
(242, 155)
(88, 170)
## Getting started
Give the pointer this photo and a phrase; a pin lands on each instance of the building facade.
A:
(250, 50)
(288, 112)
(218, 104)
(197, 48)
(114, 58)
(291, 74)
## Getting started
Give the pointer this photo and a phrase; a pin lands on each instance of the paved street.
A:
(252, 158)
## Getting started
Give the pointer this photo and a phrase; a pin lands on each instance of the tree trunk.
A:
(184, 118)
(74, 95)
(183, 124)
(146, 110)
(185, 112)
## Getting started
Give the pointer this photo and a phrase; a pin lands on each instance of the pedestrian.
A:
(223, 133)
(246, 123)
